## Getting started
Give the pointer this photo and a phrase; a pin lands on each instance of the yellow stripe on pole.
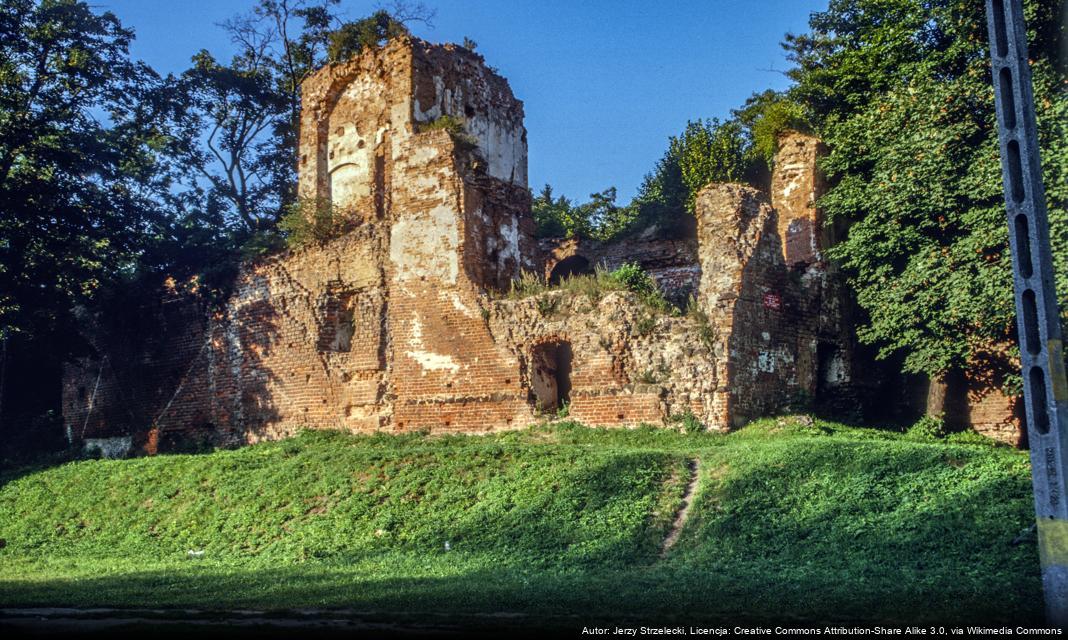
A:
(1055, 349)
(1053, 542)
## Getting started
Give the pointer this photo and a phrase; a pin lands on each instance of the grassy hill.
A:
(790, 520)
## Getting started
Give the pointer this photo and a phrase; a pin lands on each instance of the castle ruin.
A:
(404, 323)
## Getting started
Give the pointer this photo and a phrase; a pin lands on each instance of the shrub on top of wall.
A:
(312, 221)
(635, 279)
(628, 277)
(454, 126)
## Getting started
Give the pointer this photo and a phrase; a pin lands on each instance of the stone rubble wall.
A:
(631, 365)
(750, 303)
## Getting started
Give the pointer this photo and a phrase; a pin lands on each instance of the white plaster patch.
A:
(509, 249)
(427, 359)
(399, 116)
(422, 154)
(500, 143)
(434, 361)
(426, 182)
(765, 362)
(349, 182)
(790, 187)
(459, 304)
(111, 448)
(425, 245)
(503, 148)
(380, 135)
(769, 361)
(765, 336)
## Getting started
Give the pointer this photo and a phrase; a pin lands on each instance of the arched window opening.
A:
(569, 267)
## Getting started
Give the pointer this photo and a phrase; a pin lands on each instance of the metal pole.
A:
(1037, 319)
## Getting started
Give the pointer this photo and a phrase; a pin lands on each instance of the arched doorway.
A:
(568, 267)
(550, 375)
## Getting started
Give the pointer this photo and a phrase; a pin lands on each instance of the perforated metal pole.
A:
(1037, 319)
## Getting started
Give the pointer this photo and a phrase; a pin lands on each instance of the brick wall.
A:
(143, 361)
(402, 323)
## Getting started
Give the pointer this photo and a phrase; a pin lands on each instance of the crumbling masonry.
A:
(403, 324)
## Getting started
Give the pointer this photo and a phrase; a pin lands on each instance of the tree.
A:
(706, 151)
(82, 170)
(600, 218)
(901, 92)
(247, 112)
(242, 117)
(765, 116)
(558, 217)
(79, 167)
(710, 151)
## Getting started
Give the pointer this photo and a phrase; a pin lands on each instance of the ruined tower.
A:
(427, 143)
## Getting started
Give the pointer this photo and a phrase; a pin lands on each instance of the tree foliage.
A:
(600, 218)
(79, 161)
(352, 38)
(242, 118)
(901, 92)
(766, 116)
(709, 151)
(706, 151)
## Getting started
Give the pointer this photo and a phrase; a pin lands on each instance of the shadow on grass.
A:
(676, 593)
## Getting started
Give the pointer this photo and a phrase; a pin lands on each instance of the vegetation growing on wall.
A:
(628, 277)
(352, 38)
(311, 221)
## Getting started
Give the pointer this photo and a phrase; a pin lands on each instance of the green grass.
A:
(819, 522)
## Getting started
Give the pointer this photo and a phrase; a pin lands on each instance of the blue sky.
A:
(604, 83)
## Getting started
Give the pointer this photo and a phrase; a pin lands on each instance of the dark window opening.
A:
(338, 324)
(829, 367)
(834, 394)
(550, 375)
(569, 267)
